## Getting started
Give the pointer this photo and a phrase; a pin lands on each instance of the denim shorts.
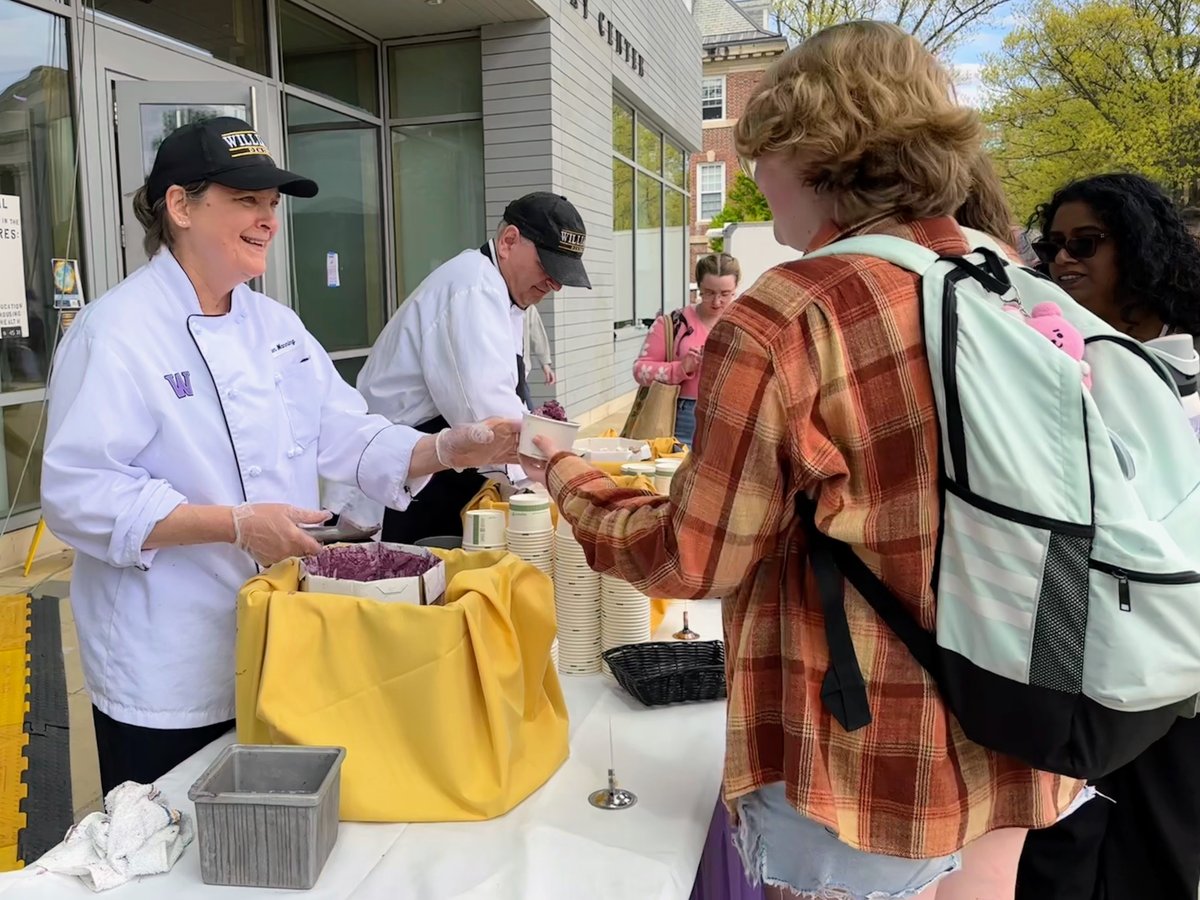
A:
(782, 848)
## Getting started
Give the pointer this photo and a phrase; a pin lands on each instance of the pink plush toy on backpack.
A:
(1048, 319)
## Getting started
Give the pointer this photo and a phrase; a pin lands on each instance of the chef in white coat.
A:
(451, 352)
(189, 420)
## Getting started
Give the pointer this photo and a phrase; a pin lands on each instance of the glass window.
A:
(231, 30)
(675, 165)
(650, 216)
(622, 130)
(712, 98)
(349, 368)
(649, 149)
(158, 120)
(22, 439)
(342, 155)
(675, 256)
(438, 171)
(623, 240)
(37, 166)
(712, 190)
(326, 58)
(435, 79)
(649, 250)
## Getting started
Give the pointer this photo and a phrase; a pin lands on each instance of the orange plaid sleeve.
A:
(728, 499)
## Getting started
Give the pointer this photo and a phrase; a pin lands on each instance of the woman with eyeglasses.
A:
(1119, 246)
(717, 277)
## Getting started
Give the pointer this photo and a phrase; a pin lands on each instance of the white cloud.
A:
(969, 83)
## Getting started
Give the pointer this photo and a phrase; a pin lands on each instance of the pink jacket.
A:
(652, 365)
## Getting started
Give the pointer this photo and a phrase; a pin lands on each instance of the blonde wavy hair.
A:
(986, 208)
(868, 114)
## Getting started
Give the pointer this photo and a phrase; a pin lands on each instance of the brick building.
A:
(739, 42)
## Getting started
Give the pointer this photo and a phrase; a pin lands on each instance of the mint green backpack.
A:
(1068, 569)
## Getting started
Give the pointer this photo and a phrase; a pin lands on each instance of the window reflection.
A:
(37, 164)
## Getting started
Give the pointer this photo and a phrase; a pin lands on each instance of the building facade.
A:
(738, 43)
(419, 119)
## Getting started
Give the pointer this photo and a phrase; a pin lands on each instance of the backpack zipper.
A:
(1125, 576)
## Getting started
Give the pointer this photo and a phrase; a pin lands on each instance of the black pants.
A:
(437, 510)
(134, 753)
(523, 384)
(1145, 846)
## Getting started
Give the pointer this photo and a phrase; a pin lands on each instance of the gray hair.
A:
(154, 218)
(501, 228)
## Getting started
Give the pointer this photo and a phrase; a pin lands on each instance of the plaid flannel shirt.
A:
(816, 380)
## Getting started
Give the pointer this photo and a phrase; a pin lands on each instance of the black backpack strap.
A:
(834, 563)
(843, 691)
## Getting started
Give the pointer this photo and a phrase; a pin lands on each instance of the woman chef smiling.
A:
(189, 420)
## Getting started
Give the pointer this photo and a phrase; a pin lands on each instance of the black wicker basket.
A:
(660, 673)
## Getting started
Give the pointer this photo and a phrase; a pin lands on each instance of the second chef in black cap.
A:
(451, 352)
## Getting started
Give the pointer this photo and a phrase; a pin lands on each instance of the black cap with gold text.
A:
(223, 150)
(555, 227)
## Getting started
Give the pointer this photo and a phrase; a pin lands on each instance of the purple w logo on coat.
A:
(181, 384)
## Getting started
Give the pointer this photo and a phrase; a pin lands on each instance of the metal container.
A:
(268, 816)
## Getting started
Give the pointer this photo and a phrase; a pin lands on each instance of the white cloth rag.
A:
(137, 834)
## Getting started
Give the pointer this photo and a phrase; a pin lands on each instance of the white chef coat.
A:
(153, 404)
(451, 351)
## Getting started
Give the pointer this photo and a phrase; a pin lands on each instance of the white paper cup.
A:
(664, 471)
(485, 528)
(529, 514)
(562, 433)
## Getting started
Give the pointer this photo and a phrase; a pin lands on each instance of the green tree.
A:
(744, 203)
(940, 24)
(1093, 86)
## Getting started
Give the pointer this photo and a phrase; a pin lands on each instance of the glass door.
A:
(147, 111)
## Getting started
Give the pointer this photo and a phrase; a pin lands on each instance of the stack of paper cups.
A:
(531, 530)
(576, 604)
(484, 530)
(664, 471)
(624, 615)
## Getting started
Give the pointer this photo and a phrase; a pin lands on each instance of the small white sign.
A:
(14, 313)
(332, 278)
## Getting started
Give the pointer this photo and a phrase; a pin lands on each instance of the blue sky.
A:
(968, 58)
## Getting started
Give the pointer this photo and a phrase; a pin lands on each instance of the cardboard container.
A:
(612, 450)
(427, 590)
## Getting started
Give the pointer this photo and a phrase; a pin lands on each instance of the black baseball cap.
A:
(225, 150)
(555, 227)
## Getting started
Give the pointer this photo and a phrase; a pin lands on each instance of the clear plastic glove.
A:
(491, 442)
(270, 532)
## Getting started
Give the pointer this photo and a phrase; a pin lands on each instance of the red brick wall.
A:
(719, 141)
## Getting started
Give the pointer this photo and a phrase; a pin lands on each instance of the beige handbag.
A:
(653, 413)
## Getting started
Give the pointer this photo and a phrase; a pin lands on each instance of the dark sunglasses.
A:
(1083, 247)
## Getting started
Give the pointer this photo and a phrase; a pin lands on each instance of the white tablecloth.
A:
(554, 845)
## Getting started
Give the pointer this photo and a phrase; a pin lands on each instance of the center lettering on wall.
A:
(620, 44)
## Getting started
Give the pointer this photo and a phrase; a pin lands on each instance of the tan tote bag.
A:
(653, 413)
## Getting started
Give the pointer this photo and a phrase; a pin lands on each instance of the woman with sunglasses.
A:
(717, 277)
(1119, 246)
